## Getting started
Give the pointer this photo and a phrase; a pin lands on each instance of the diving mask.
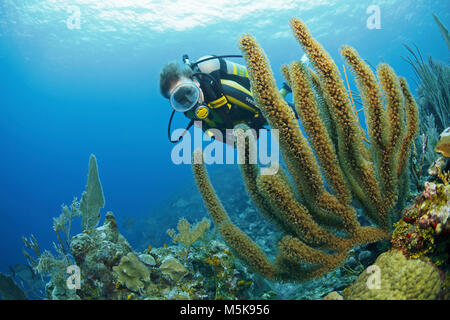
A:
(184, 96)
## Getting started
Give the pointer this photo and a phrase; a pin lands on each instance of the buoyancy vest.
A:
(228, 97)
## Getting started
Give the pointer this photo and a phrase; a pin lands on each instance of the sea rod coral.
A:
(313, 203)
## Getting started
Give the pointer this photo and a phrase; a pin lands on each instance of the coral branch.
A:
(330, 171)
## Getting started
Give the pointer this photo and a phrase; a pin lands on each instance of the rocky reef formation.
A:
(9, 290)
(110, 269)
(97, 252)
(424, 230)
(417, 265)
(199, 266)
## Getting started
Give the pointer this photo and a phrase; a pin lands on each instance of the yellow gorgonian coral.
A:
(312, 201)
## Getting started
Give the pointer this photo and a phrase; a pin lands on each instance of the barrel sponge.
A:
(401, 279)
(131, 272)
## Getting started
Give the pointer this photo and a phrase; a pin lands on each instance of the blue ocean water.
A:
(67, 92)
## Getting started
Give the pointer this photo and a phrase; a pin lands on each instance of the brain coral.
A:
(401, 279)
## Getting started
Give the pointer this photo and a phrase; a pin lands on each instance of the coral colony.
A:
(321, 226)
(338, 192)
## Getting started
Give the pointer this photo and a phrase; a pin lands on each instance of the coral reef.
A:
(173, 269)
(423, 155)
(111, 269)
(132, 273)
(423, 231)
(335, 168)
(71, 251)
(92, 200)
(97, 252)
(55, 268)
(187, 235)
(63, 223)
(399, 279)
(417, 266)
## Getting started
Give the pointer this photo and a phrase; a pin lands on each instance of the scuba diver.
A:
(212, 90)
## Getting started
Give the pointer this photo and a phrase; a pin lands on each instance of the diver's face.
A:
(175, 84)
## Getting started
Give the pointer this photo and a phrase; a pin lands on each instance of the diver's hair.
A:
(171, 73)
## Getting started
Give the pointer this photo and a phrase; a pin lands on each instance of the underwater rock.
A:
(106, 237)
(437, 209)
(365, 257)
(173, 269)
(147, 259)
(400, 279)
(423, 230)
(60, 292)
(9, 290)
(351, 263)
(131, 272)
(211, 272)
(96, 252)
(443, 145)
